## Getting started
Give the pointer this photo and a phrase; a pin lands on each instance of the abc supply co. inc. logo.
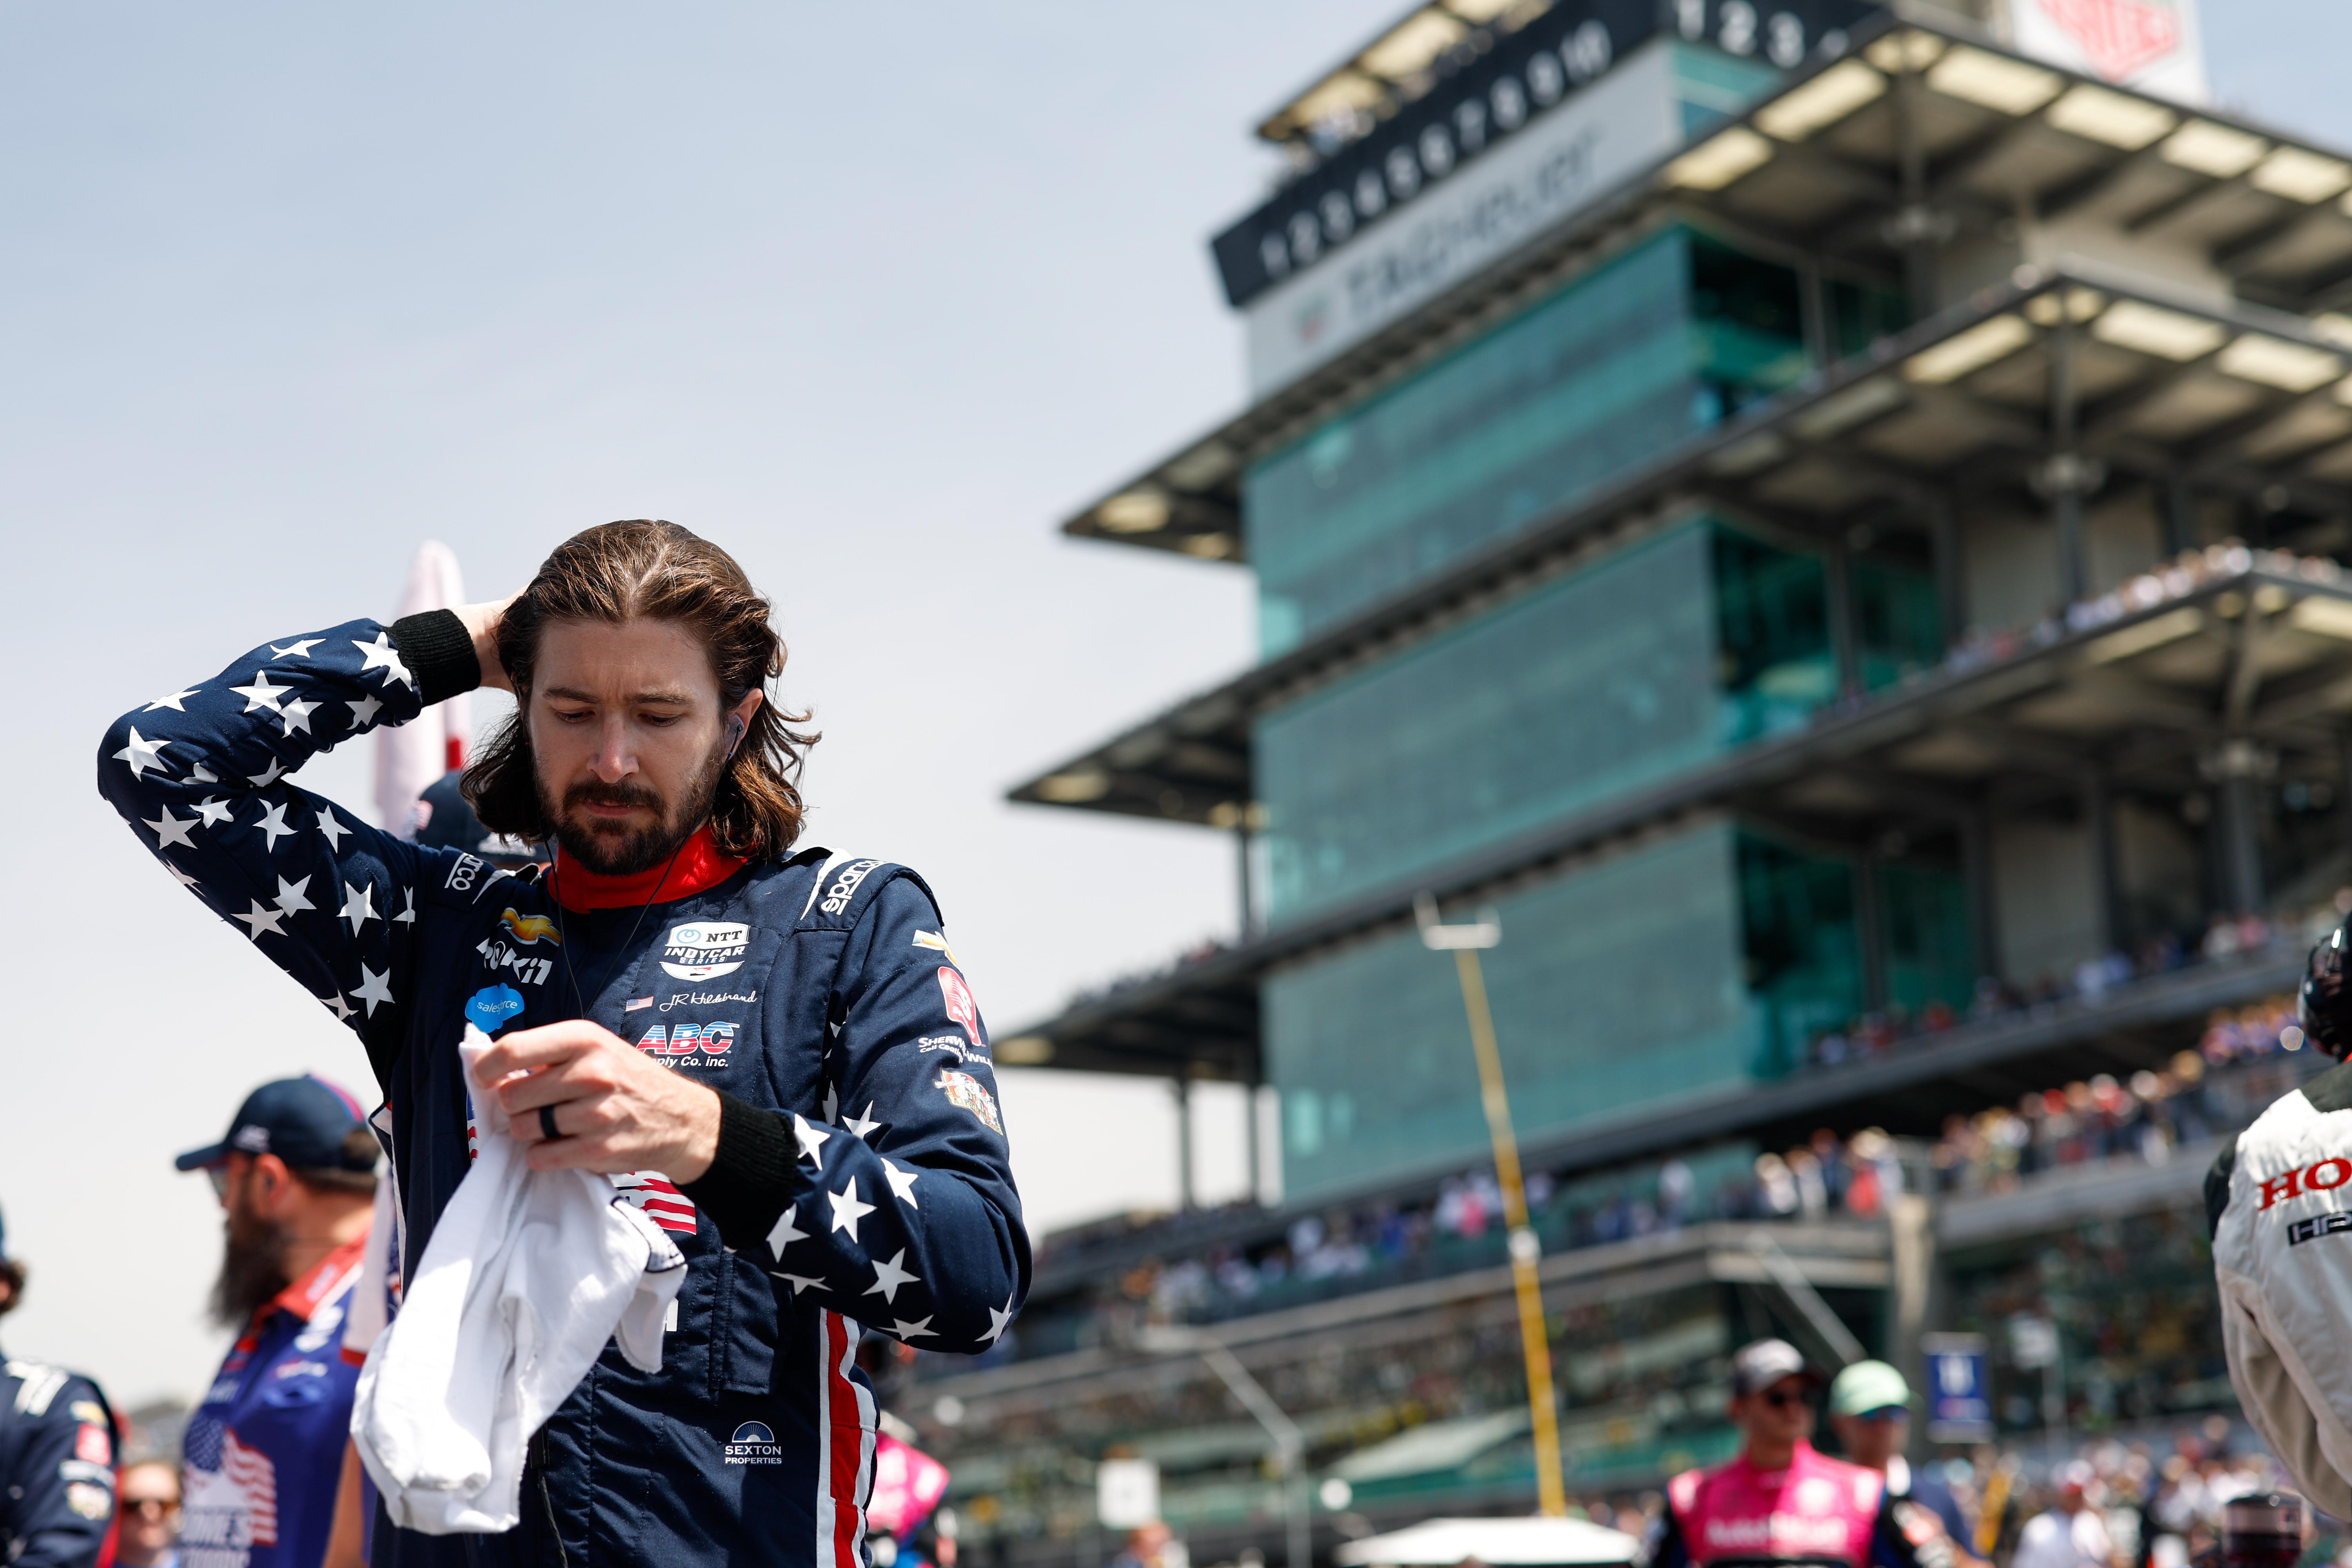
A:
(705, 949)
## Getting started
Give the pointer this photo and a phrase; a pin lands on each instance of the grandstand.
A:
(1826, 521)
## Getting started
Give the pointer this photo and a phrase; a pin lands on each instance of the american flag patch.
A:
(659, 1197)
(257, 1477)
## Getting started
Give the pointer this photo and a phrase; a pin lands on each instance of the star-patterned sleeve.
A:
(898, 1207)
(199, 774)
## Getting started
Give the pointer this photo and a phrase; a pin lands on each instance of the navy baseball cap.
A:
(302, 1120)
(444, 819)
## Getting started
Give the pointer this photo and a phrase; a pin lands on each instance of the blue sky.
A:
(872, 301)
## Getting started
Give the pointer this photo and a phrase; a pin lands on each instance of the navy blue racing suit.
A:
(862, 1174)
(57, 1467)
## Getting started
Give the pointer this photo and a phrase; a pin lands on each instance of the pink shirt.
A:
(1817, 1506)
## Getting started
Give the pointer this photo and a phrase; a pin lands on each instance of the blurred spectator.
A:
(2074, 1532)
(1149, 1546)
(151, 1516)
(1870, 1411)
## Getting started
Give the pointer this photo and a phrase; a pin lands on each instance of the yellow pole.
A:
(1551, 1492)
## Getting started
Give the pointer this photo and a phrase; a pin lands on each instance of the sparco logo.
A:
(837, 896)
(753, 1444)
(705, 950)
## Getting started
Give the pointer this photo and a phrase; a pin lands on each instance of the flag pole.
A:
(1535, 1344)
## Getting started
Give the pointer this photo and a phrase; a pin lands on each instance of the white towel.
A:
(528, 1274)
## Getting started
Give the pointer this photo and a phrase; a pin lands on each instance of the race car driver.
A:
(2282, 1253)
(772, 1052)
(56, 1455)
(1780, 1499)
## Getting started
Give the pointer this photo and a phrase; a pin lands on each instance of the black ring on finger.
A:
(547, 1123)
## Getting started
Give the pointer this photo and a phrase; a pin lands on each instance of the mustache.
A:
(625, 793)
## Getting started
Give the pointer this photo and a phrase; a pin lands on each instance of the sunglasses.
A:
(218, 1176)
(1781, 1398)
(151, 1507)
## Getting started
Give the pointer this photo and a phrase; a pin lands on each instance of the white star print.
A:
(291, 895)
(170, 830)
(888, 1277)
(203, 774)
(907, 1331)
(359, 905)
(331, 830)
(173, 701)
(812, 1138)
(363, 711)
(273, 825)
(298, 716)
(262, 781)
(338, 1006)
(997, 1322)
(375, 988)
(261, 694)
(141, 753)
(902, 1184)
(784, 1234)
(214, 811)
(799, 1282)
(297, 649)
(381, 655)
(846, 1208)
(179, 875)
(863, 1126)
(407, 915)
(261, 919)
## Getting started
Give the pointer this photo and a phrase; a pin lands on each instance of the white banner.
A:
(1579, 150)
(2151, 45)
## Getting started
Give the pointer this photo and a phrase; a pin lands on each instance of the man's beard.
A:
(617, 851)
(253, 1269)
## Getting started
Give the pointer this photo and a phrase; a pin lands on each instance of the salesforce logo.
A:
(753, 1444)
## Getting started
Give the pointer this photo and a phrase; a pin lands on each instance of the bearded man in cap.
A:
(295, 1174)
(1782, 1500)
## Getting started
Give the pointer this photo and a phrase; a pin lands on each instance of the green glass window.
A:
(1679, 967)
(1639, 667)
(1801, 947)
(1929, 940)
(1612, 369)
(1898, 625)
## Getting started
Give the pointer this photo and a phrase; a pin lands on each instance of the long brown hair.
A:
(650, 570)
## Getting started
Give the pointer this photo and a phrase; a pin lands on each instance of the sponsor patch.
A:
(707, 1041)
(89, 1410)
(937, 940)
(955, 1043)
(91, 1444)
(705, 949)
(253, 1140)
(845, 887)
(87, 1501)
(754, 1444)
(465, 870)
(962, 1008)
(2318, 1225)
(2324, 1177)
(962, 1089)
(497, 957)
(531, 929)
(490, 1007)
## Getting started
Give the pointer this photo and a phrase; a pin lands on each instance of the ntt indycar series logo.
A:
(706, 950)
(754, 1444)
